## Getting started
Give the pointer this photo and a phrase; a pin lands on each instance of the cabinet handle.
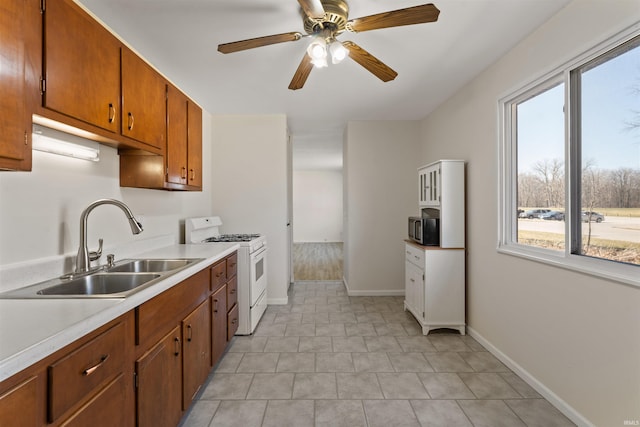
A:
(92, 369)
(189, 333)
(183, 175)
(412, 280)
(176, 341)
(234, 321)
(232, 265)
(193, 174)
(215, 305)
(112, 113)
(233, 291)
(131, 120)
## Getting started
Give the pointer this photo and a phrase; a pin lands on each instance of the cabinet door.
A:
(218, 323)
(196, 359)
(143, 101)
(81, 66)
(20, 404)
(195, 145)
(15, 123)
(104, 410)
(414, 289)
(176, 136)
(429, 184)
(159, 383)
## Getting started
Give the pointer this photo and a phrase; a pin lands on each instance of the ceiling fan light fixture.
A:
(320, 62)
(338, 52)
(317, 49)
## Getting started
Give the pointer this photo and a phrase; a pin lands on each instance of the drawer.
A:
(232, 265)
(75, 376)
(218, 274)
(232, 322)
(414, 255)
(232, 292)
(161, 313)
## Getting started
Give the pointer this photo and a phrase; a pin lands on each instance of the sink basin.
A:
(151, 265)
(120, 281)
(99, 284)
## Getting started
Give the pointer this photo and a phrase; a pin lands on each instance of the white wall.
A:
(40, 210)
(317, 206)
(380, 179)
(249, 175)
(578, 336)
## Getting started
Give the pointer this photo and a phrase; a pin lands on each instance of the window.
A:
(570, 152)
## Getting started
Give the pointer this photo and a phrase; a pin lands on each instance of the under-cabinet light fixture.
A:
(64, 144)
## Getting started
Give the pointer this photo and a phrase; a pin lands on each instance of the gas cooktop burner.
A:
(232, 238)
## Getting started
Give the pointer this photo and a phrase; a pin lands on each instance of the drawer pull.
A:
(215, 305)
(92, 369)
(130, 123)
(234, 321)
(220, 273)
(189, 333)
(233, 291)
(176, 341)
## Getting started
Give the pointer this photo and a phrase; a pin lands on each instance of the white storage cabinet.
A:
(435, 287)
(441, 186)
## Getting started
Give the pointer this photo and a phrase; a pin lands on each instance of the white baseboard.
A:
(278, 301)
(553, 398)
(372, 292)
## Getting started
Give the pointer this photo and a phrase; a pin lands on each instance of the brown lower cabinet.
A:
(158, 382)
(141, 369)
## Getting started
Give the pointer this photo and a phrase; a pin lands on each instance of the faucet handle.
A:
(94, 255)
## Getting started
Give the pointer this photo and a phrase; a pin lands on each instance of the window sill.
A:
(626, 274)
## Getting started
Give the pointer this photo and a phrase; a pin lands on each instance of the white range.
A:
(252, 267)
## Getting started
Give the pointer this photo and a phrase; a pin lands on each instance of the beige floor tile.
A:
(385, 413)
(445, 386)
(362, 385)
(440, 413)
(538, 413)
(282, 344)
(490, 413)
(488, 385)
(296, 362)
(340, 413)
(239, 413)
(402, 386)
(289, 413)
(271, 386)
(315, 386)
(372, 362)
(409, 362)
(334, 362)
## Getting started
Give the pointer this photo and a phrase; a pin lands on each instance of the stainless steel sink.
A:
(99, 284)
(119, 281)
(150, 265)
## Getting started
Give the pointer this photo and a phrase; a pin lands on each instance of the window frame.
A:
(507, 181)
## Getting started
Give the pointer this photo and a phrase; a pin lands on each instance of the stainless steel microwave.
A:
(425, 231)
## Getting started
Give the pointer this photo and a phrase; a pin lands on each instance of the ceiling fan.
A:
(324, 21)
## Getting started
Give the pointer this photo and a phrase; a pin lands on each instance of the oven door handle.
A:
(259, 252)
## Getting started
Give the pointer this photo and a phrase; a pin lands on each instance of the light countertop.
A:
(31, 329)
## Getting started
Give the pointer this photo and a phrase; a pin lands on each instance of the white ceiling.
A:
(180, 38)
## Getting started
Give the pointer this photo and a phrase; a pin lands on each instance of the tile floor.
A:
(327, 359)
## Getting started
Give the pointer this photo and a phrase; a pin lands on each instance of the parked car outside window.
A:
(533, 213)
(555, 215)
(592, 216)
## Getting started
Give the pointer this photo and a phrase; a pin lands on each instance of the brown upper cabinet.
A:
(181, 167)
(15, 118)
(81, 70)
(143, 101)
(91, 81)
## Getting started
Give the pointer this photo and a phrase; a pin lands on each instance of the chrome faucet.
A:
(84, 258)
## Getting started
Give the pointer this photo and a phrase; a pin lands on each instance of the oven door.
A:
(258, 274)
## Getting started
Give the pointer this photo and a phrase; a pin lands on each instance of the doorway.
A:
(317, 181)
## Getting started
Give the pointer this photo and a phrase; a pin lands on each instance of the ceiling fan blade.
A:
(370, 62)
(312, 8)
(258, 42)
(303, 71)
(395, 18)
